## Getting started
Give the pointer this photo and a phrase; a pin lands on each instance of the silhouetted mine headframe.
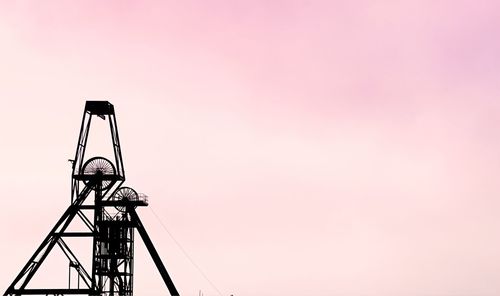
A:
(110, 219)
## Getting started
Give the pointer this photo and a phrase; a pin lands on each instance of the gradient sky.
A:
(322, 148)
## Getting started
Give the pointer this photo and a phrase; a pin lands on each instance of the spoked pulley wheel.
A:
(99, 166)
(125, 194)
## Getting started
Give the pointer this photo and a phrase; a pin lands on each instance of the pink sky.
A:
(323, 148)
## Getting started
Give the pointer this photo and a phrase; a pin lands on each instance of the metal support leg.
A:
(152, 251)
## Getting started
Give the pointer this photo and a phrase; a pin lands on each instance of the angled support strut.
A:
(152, 251)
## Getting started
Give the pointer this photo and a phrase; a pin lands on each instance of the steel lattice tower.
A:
(112, 228)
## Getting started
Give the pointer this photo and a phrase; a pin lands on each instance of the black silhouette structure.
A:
(110, 221)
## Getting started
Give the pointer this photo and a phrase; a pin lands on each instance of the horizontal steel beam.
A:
(75, 234)
(51, 292)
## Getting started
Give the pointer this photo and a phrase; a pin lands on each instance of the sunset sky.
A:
(327, 148)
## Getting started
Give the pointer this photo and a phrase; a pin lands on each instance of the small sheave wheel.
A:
(99, 165)
(126, 194)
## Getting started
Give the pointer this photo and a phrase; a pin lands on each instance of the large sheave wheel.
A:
(99, 165)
